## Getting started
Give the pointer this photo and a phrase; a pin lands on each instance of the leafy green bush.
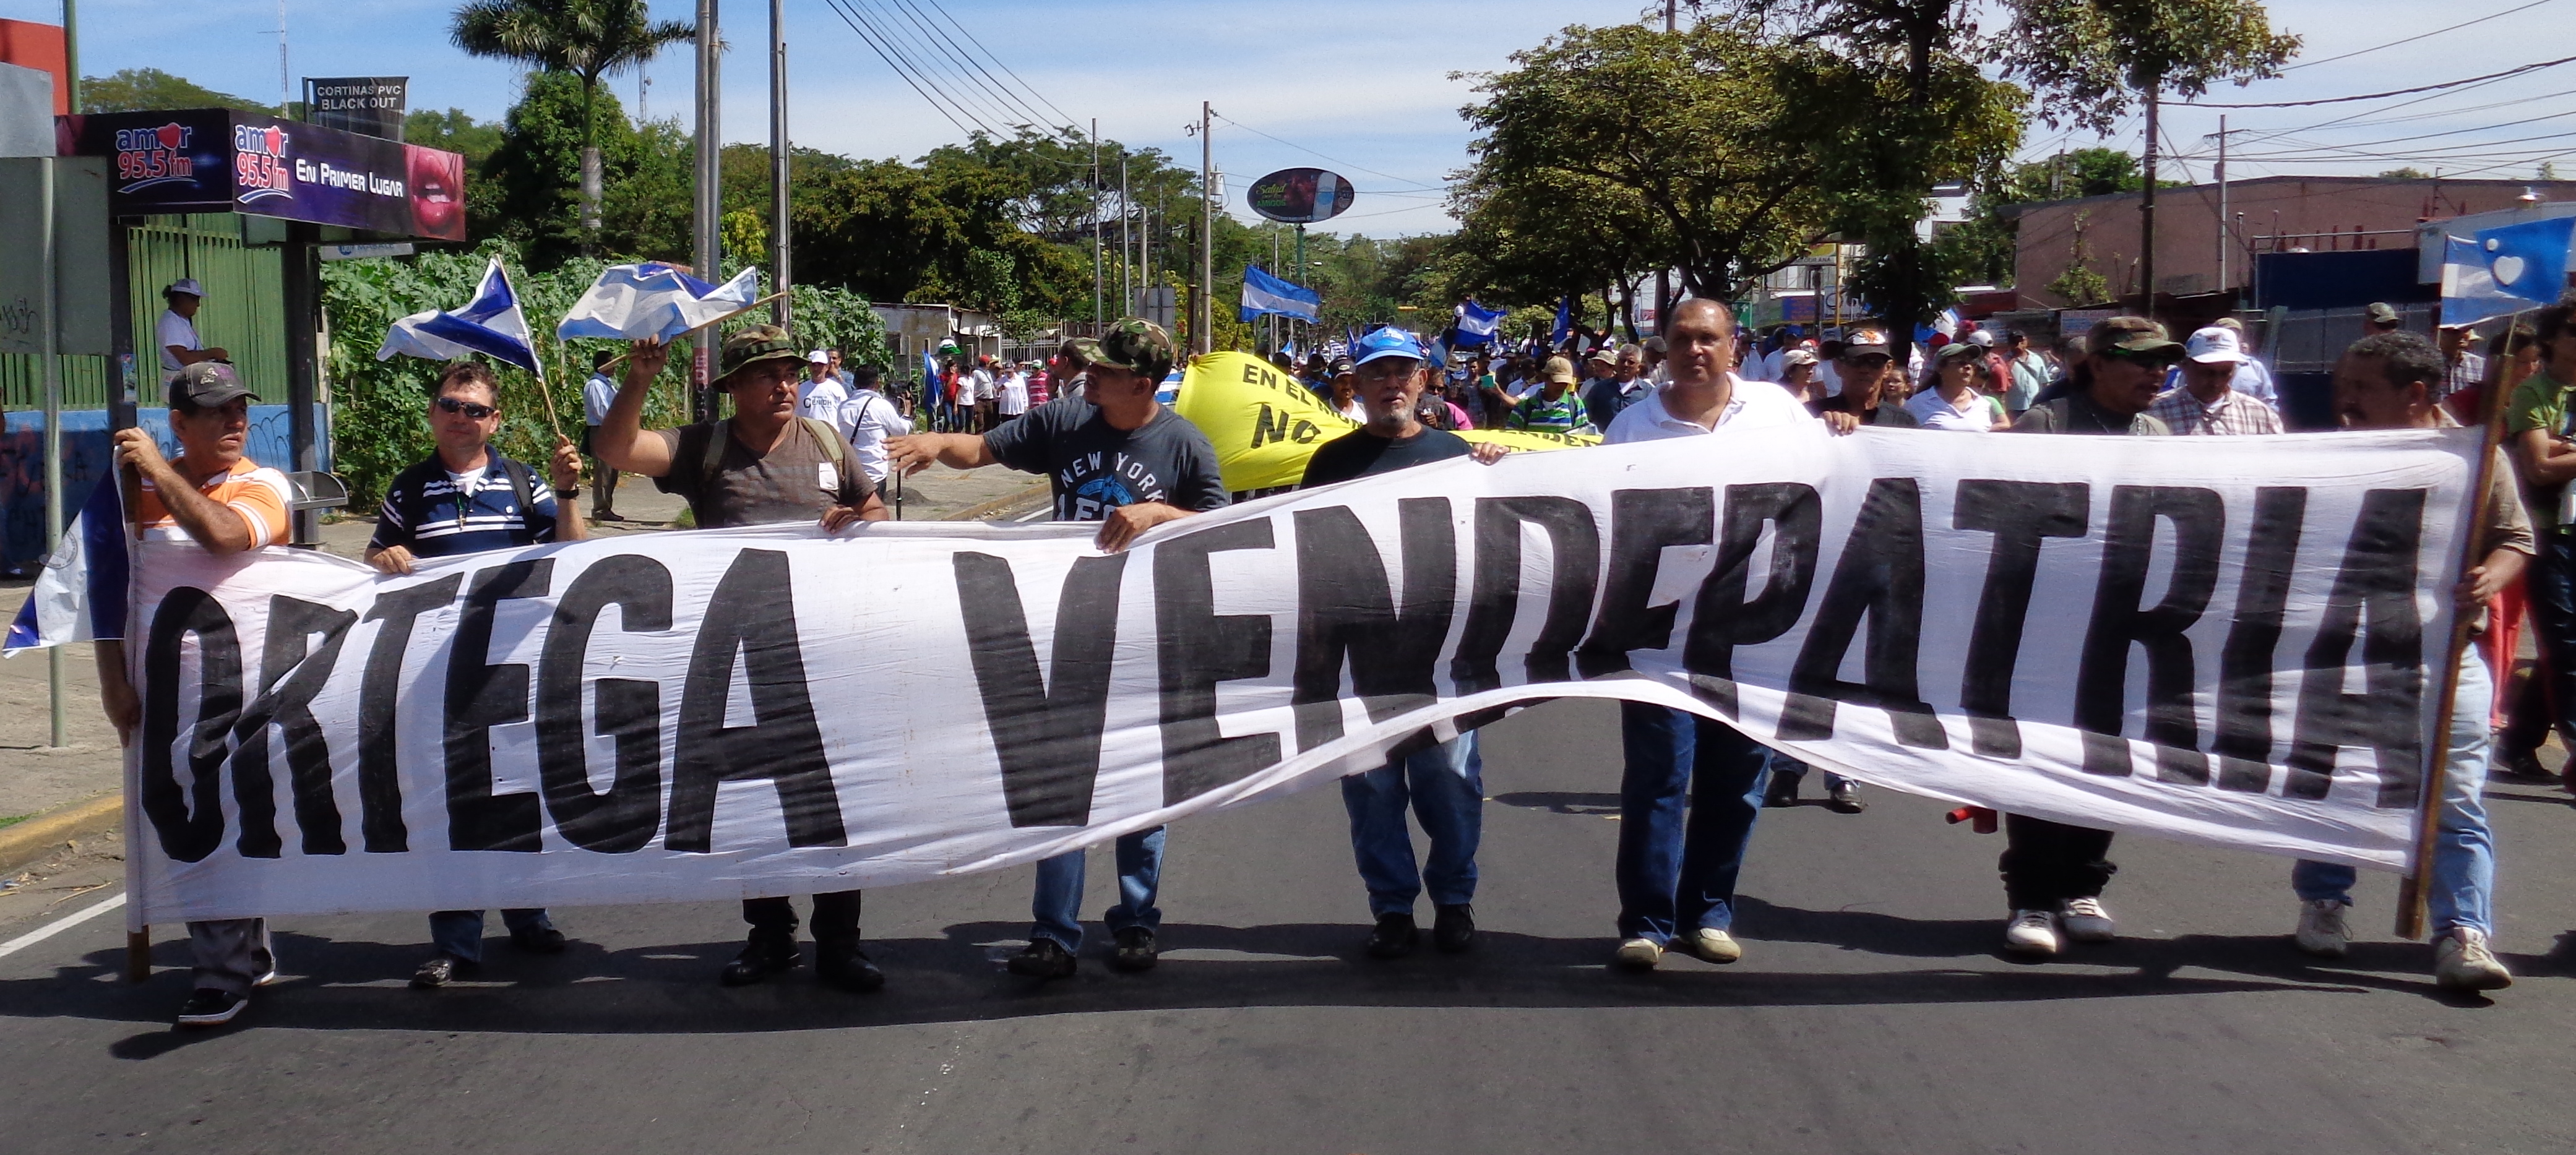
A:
(379, 420)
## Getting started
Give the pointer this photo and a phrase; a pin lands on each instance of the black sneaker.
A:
(843, 966)
(439, 971)
(763, 956)
(1136, 950)
(543, 940)
(1453, 928)
(1045, 958)
(1781, 793)
(1394, 936)
(1845, 798)
(207, 1007)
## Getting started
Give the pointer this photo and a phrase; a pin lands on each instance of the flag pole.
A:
(2411, 890)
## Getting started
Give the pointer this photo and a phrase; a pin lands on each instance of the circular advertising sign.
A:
(1301, 196)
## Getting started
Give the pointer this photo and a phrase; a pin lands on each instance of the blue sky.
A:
(1359, 87)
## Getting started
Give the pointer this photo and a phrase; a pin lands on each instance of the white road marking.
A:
(58, 926)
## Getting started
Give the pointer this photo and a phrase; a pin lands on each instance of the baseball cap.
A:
(2213, 346)
(818, 357)
(2381, 313)
(1982, 339)
(1603, 355)
(1388, 342)
(1132, 343)
(1560, 371)
(1865, 342)
(1339, 366)
(208, 383)
(1956, 350)
(1796, 357)
(186, 285)
(2128, 335)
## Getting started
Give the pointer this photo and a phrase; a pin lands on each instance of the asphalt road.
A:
(1871, 1013)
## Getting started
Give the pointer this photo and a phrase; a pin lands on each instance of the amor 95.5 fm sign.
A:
(219, 160)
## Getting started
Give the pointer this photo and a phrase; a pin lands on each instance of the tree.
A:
(546, 140)
(1981, 249)
(589, 39)
(152, 90)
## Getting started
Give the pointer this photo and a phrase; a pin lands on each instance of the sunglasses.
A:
(468, 408)
(2144, 356)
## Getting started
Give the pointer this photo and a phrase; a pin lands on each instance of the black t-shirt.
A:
(1096, 467)
(1893, 416)
(1359, 453)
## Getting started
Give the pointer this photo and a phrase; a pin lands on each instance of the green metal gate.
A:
(244, 313)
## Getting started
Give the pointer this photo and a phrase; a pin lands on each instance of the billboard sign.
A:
(219, 160)
(367, 105)
(1301, 196)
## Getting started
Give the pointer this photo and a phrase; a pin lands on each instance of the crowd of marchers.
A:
(809, 442)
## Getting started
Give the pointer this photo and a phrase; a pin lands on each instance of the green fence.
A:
(244, 313)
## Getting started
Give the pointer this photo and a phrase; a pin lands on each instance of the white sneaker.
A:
(2086, 921)
(2032, 932)
(2462, 962)
(1709, 945)
(2321, 928)
(1639, 954)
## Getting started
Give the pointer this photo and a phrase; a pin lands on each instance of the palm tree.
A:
(589, 38)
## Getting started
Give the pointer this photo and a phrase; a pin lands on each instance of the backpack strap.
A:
(714, 456)
(522, 487)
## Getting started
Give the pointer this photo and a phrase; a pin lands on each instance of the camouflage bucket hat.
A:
(756, 343)
(1133, 344)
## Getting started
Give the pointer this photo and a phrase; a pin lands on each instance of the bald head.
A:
(1701, 337)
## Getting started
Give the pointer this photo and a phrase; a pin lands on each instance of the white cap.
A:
(1982, 337)
(2214, 346)
(817, 357)
(1796, 357)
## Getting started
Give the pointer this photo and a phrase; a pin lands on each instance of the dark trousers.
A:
(603, 480)
(836, 916)
(2045, 863)
(2552, 584)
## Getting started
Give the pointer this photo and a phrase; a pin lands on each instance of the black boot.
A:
(1136, 950)
(763, 956)
(1393, 937)
(1453, 928)
(1044, 958)
(843, 966)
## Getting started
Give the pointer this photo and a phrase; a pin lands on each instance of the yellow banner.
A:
(1265, 423)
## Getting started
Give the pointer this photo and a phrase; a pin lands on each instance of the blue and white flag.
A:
(1265, 295)
(491, 324)
(80, 596)
(2469, 292)
(1564, 323)
(2528, 260)
(1476, 323)
(633, 302)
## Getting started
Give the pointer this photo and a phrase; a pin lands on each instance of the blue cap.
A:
(1388, 342)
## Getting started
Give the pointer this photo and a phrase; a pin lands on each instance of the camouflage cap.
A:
(1132, 343)
(2132, 335)
(756, 343)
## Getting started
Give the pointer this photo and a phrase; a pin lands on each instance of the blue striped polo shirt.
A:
(435, 513)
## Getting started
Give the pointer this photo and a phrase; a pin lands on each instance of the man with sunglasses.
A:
(467, 498)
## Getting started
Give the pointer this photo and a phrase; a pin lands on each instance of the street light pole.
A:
(1206, 341)
(780, 238)
(708, 252)
(1097, 284)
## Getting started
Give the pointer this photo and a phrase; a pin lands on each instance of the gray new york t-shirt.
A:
(1095, 467)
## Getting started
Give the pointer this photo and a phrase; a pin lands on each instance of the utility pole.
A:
(285, 91)
(1204, 315)
(2147, 213)
(708, 254)
(1663, 271)
(779, 238)
(71, 54)
(1126, 243)
(1097, 319)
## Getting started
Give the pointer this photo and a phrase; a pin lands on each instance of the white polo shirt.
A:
(1751, 404)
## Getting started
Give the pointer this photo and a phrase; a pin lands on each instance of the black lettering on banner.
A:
(629, 710)
(2374, 591)
(1722, 618)
(1880, 575)
(291, 672)
(753, 615)
(1046, 730)
(380, 820)
(1199, 648)
(190, 821)
(2199, 518)
(2244, 742)
(480, 696)
(2021, 514)
(1345, 606)
(1642, 523)
(1573, 579)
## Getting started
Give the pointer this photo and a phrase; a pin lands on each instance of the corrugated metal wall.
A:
(244, 313)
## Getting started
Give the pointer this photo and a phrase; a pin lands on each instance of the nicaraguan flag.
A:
(2528, 260)
(80, 597)
(1264, 294)
(633, 302)
(2469, 291)
(1476, 323)
(1564, 323)
(491, 324)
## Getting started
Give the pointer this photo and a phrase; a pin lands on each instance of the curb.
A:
(34, 838)
(999, 504)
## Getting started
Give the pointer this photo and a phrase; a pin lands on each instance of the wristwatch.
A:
(572, 492)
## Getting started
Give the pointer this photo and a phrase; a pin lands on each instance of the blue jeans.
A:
(459, 933)
(2461, 889)
(1784, 764)
(1446, 786)
(1057, 906)
(1676, 875)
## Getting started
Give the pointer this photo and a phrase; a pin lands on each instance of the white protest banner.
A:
(2226, 640)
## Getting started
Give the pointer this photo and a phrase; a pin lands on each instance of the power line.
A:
(1335, 160)
(899, 69)
(988, 54)
(2385, 95)
(2416, 37)
(891, 21)
(900, 58)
